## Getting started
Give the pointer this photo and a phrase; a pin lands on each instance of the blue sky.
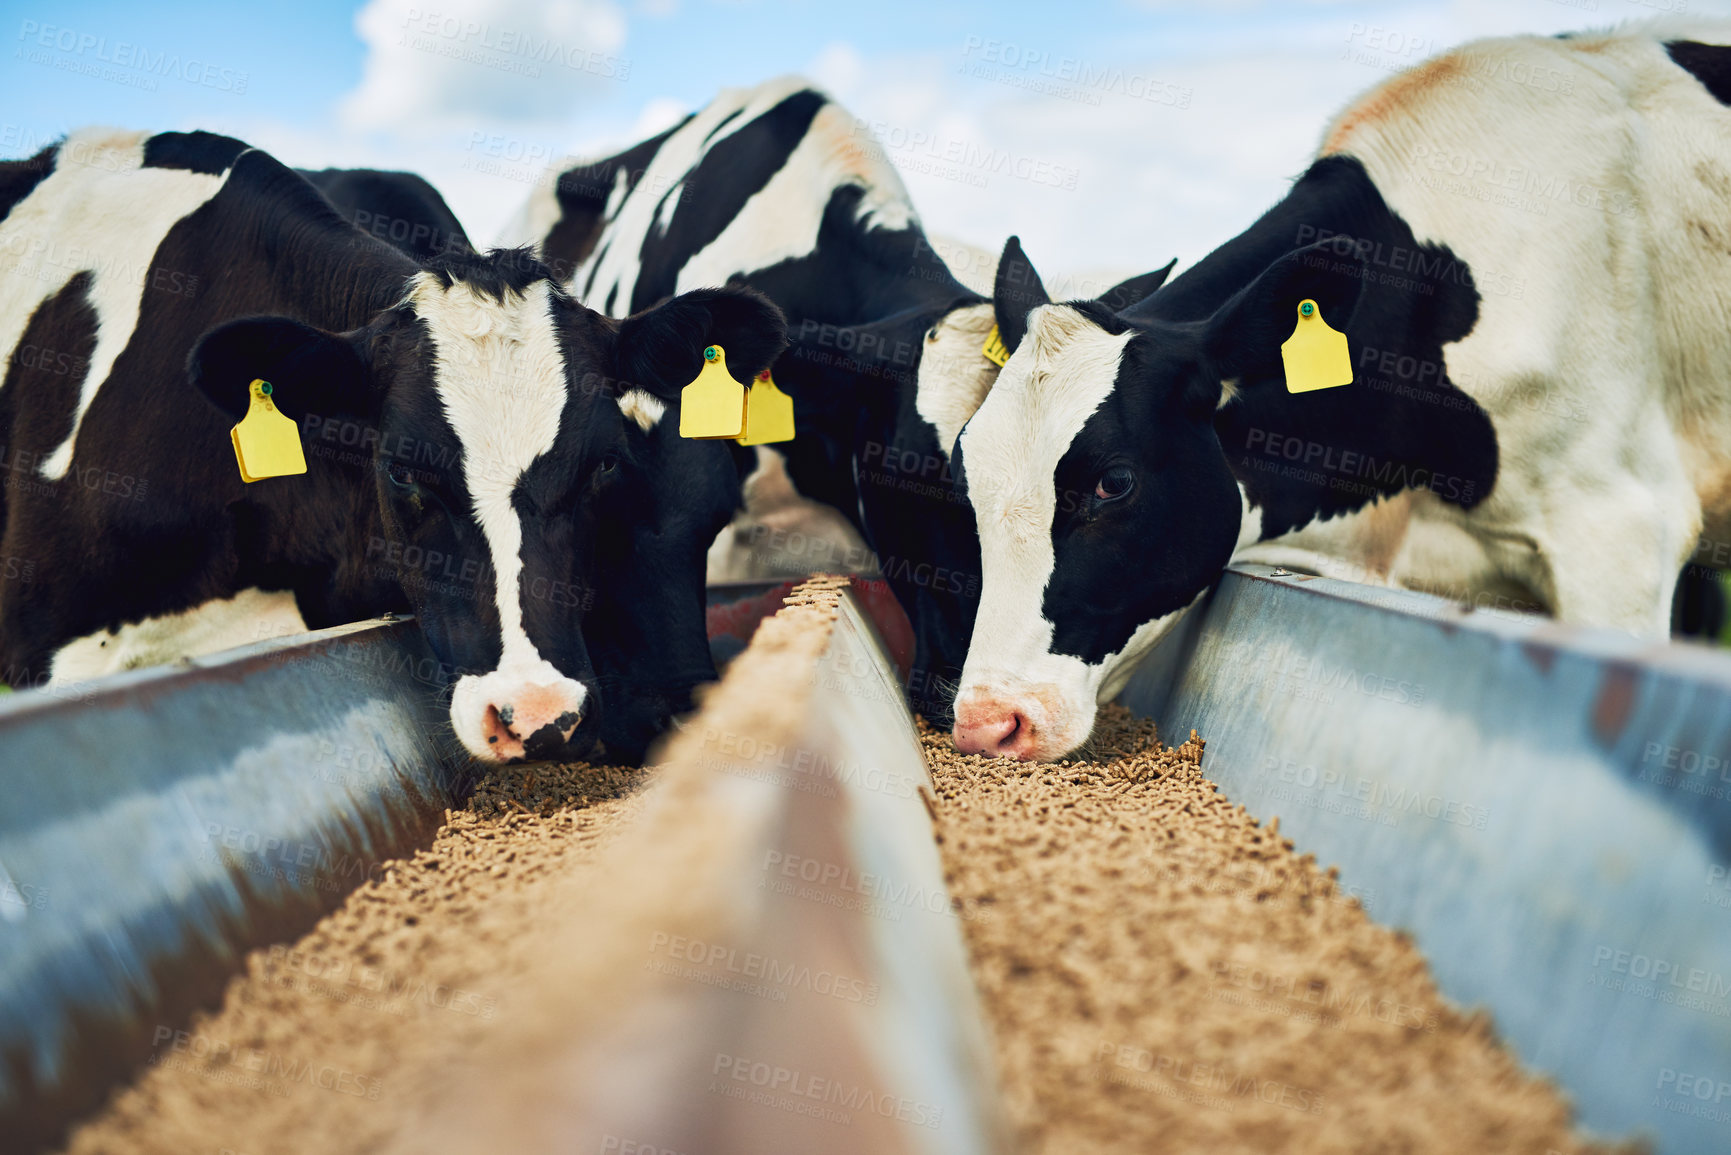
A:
(1197, 115)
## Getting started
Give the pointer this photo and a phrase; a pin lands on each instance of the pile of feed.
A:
(1161, 973)
(325, 1045)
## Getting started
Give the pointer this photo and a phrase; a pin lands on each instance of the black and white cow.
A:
(399, 207)
(1530, 266)
(778, 187)
(462, 426)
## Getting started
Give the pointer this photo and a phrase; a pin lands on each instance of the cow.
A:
(399, 207)
(779, 188)
(462, 426)
(1523, 242)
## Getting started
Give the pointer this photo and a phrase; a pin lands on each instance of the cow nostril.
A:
(497, 725)
(502, 741)
(994, 732)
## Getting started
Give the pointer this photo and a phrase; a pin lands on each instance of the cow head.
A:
(651, 649)
(1104, 501)
(487, 455)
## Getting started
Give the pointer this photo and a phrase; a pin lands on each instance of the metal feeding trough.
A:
(1546, 809)
(1543, 808)
(159, 824)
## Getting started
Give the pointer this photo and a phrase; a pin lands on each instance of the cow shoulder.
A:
(584, 195)
(105, 209)
(738, 163)
(607, 279)
(402, 208)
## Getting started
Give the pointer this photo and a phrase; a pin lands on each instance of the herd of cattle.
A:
(1533, 282)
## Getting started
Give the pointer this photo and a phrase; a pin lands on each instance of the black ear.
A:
(661, 349)
(1249, 329)
(1015, 293)
(1126, 293)
(310, 370)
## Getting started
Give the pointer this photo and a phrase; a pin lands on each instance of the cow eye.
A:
(1114, 483)
(400, 476)
(608, 465)
(932, 333)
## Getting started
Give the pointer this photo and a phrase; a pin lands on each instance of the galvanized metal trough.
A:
(1547, 810)
(159, 824)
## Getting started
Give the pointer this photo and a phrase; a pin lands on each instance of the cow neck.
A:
(327, 273)
(1380, 435)
(900, 272)
(324, 270)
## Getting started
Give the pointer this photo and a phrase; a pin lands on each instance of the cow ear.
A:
(1126, 293)
(1248, 330)
(310, 370)
(1016, 292)
(661, 349)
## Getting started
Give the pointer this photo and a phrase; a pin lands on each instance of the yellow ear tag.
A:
(713, 406)
(993, 350)
(266, 444)
(768, 413)
(1315, 356)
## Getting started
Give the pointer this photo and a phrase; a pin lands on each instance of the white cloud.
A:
(1096, 176)
(467, 61)
(1236, 111)
(1120, 165)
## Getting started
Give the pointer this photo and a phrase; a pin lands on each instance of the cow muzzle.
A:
(1024, 726)
(510, 718)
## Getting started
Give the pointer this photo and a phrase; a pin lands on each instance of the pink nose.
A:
(993, 730)
(509, 727)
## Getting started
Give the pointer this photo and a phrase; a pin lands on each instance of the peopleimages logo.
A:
(797, 1091)
(506, 49)
(1669, 978)
(1065, 77)
(758, 971)
(1316, 461)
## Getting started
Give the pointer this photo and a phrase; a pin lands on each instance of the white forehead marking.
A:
(954, 376)
(100, 211)
(643, 407)
(1062, 371)
(500, 376)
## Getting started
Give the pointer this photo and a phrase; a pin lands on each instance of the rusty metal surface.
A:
(1546, 809)
(160, 823)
